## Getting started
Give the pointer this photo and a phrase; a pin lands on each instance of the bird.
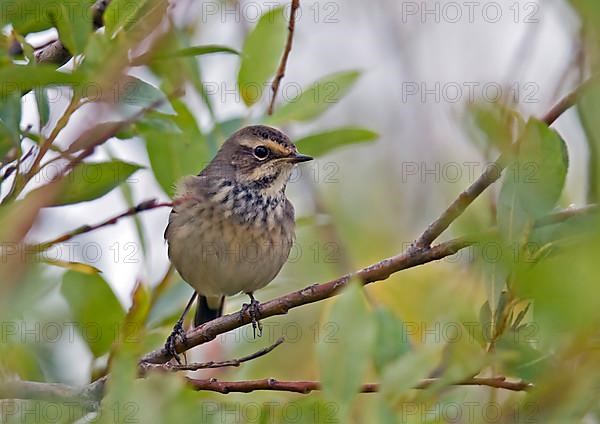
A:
(231, 227)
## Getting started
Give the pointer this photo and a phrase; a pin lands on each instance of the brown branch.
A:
(169, 366)
(93, 393)
(490, 175)
(310, 294)
(305, 387)
(286, 53)
(144, 206)
(316, 292)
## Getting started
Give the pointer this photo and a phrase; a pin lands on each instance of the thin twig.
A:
(144, 206)
(94, 392)
(286, 53)
(305, 387)
(169, 366)
(62, 122)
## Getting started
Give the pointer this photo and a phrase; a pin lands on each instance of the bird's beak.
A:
(299, 157)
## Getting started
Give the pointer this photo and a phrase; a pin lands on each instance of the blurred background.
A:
(425, 67)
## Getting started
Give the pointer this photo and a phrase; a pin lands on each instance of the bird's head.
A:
(262, 156)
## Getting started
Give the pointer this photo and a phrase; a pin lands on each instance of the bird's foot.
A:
(253, 308)
(177, 333)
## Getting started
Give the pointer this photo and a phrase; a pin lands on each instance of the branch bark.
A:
(94, 392)
(305, 387)
(286, 54)
(144, 206)
(169, 366)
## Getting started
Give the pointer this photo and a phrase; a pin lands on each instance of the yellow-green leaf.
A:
(74, 266)
(321, 143)
(74, 24)
(392, 339)
(260, 55)
(21, 78)
(534, 181)
(121, 14)
(175, 154)
(89, 181)
(195, 51)
(343, 361)
(95, 309)
(315, 99)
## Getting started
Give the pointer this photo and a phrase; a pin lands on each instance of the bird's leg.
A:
(253, 309)
(178, 331)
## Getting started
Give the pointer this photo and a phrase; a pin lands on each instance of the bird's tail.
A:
(208, 309)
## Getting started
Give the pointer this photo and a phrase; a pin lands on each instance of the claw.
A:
(253, 309)
(177, 333)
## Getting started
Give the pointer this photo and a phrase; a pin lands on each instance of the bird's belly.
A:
(228, 258)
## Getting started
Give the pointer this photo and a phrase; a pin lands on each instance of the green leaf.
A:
(485, 320)
(120, 14)
(222, 130)
(43, 106)
(101, 51)
(95, 309)
(177, 71)
(144, 94)
(260, 55)
(344, 361)
(168, 306)
(73, 21)
(392, 341)
(315, 99)
(494, 125)
(89, 181)
(321, 143)
(38, 19)
(10, 120)
(533, 183)
(587, 107)
(133, 92)
(408, 370)
(175, 154)
(195, 51)
(519, 356)
(74, 266)
(140, 307)
(6, 141)
(21, 78)
(502, 312)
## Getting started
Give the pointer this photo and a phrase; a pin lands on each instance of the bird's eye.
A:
(261, 152)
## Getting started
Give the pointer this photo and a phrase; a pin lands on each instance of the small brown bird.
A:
(232, 226)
